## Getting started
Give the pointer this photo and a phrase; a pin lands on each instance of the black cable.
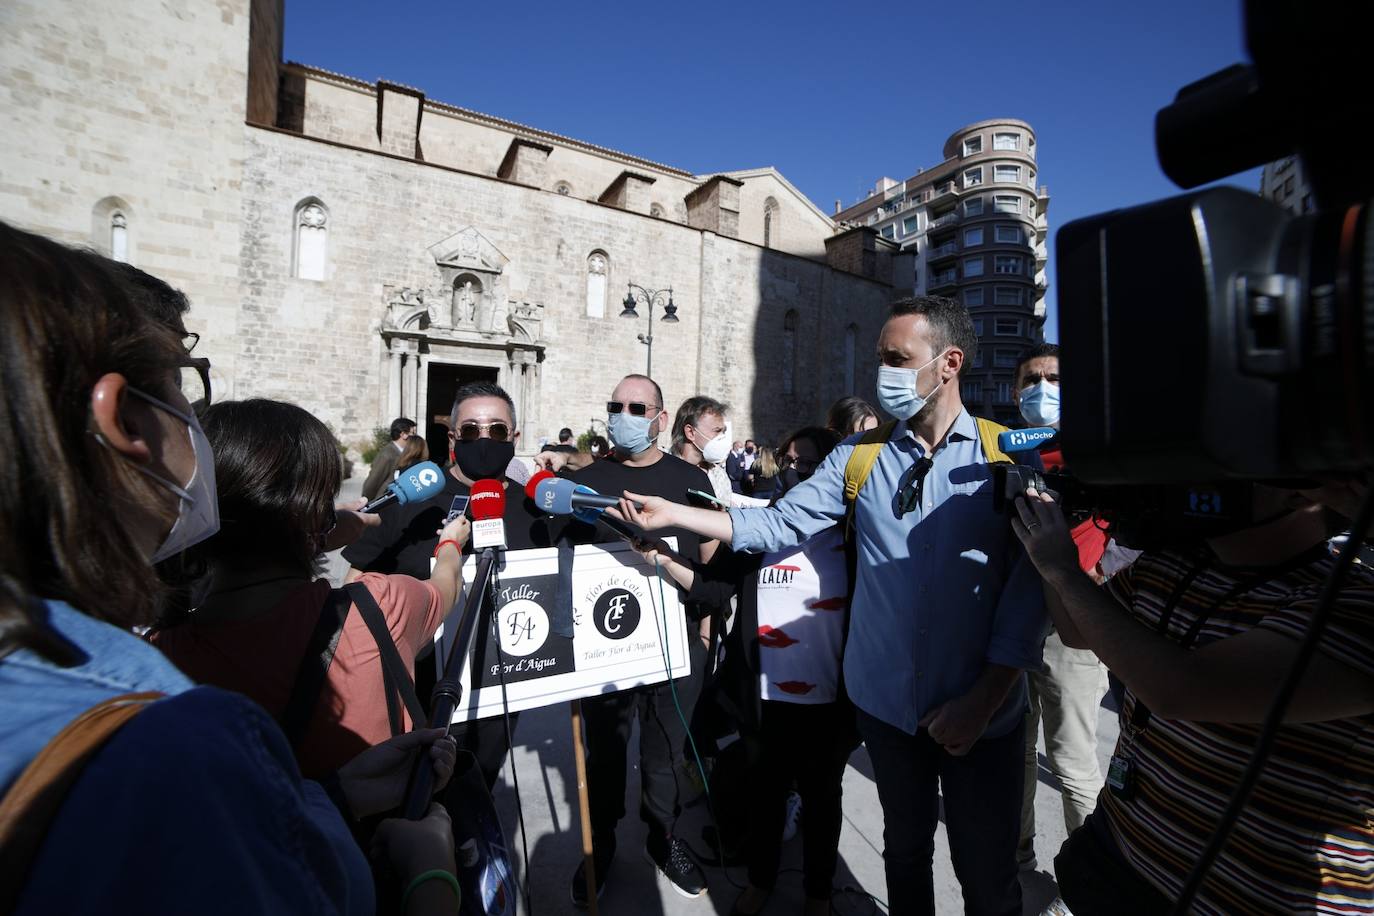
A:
(510, 737)
(1273, 720)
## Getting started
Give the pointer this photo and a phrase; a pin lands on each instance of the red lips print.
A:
(826, 604)
(794, 687)
(774, 638)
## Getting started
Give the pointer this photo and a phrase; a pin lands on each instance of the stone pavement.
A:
(548, 795)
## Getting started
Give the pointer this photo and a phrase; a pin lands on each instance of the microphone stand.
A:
(449, 690)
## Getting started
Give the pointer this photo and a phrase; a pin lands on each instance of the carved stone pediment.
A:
(467, 249)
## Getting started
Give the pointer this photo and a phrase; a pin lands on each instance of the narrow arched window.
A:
(312, 236)
(789, 352)
(598, 275)
(770, 222)
(851, 336)
(119, 237)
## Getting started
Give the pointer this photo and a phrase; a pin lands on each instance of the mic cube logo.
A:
(427, 477)
(616, 613)
(1026, 438)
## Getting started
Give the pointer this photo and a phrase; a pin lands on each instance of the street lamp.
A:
(651, 298)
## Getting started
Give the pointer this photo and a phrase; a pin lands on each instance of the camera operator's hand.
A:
(375, 780)
(1044, 532)
(415, 847)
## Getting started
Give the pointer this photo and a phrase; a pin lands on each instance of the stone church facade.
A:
(362, 250)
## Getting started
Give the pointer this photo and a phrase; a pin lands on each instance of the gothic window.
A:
(851, 336)
(119, 237)
(598, 275)
(467, 292)
(770, 221)
(789, 352)
(312, 233)
(563, 188)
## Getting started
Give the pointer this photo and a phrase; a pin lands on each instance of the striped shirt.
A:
(1305, 841)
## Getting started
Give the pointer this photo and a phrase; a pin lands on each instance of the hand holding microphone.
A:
(648, 512)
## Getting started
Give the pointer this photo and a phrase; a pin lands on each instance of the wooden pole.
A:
(580, 760)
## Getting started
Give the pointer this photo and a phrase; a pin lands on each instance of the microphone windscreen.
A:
(554, 496)
(532, 485)
(488, 500)
(519, 471)
(418, 483)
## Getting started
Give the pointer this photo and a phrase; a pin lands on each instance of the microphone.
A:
(487, 506)
(416, 484)
(1023, 440)
(557, 496)
(519, 471)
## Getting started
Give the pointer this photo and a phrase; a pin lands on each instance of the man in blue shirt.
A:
(947, 613)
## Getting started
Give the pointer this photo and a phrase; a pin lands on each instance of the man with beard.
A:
(482, 435)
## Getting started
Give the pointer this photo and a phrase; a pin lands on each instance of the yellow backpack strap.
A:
(862, 459)
(988, 431)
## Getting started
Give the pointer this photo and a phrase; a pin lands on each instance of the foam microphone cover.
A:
(487, 500)
(519, 471)
(418, 483)
(532, 485)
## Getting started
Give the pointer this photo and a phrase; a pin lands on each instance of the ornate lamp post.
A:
(650, 298)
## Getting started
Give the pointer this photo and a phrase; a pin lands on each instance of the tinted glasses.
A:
(635, 408)
(909, 496)
(471, 431)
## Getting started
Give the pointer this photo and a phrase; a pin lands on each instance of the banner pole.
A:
(580, 760)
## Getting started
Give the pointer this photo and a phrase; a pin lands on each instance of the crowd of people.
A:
(173, 662)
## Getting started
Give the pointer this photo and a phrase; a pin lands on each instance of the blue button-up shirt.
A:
(940, 593)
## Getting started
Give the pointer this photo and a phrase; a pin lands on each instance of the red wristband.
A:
(458, 544)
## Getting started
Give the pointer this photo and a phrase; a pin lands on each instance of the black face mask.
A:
(483, 459)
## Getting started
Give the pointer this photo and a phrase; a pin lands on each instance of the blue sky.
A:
(834, 95)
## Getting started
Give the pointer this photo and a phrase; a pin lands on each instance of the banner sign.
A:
(628, 630)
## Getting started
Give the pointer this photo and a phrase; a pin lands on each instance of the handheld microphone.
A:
(1023, 440)
(488, 509)
(563, 497)
(416, 484)
(519, 471)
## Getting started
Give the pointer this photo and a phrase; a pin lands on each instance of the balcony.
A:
(949, 190)
(1042, 255)
(949, 219)
(947, 250)
(943, 280)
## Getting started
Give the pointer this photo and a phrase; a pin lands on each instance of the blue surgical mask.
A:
(898, 390)
(1040, 404)
(630, 434)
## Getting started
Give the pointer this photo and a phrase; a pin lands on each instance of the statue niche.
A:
(467, 293)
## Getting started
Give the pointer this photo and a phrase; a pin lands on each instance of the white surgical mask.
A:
(718, 449)
(198, 512)
(1040, 404)
(898, 390)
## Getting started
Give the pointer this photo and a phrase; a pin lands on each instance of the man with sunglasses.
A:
(482, 437)
(635, 419)
(947, 612)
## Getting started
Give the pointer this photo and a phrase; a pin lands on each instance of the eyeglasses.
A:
(636, 409)
(471, 431)
(909, 496)
(803, 465)
(195, 384)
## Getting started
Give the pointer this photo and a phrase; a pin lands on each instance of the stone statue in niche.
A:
(465, 302)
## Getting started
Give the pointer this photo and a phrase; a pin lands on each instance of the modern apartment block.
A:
(976, 223)
(1283, 183)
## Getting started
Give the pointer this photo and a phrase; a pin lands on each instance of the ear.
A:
(115, 417)
(954, 360)
(515, 435)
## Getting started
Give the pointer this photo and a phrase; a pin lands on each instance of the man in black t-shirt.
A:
(636, 418)
(482, 435)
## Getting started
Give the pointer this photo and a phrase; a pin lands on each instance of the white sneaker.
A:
(789, 824)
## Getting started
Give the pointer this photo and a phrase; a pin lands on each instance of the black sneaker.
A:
(677, 865)
(602, 855)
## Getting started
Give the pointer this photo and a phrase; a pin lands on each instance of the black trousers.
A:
(607, 720)
(811, 744)
(982, 795)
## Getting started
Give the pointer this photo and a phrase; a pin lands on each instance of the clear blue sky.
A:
(834, 95)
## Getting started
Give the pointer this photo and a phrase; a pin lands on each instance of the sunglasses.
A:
(471, 431)
(636, 409)
(803, 465)
(909, 496)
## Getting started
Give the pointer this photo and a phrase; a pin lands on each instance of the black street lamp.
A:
(651, 298)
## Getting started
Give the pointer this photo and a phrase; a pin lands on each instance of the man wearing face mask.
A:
(635, 419)
(946, 614)
(1065, 694)
(701, 436)
(482, 436)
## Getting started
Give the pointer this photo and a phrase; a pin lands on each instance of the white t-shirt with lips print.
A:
(801, 604)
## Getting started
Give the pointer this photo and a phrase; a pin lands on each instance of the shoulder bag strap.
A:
(988, 431)
(395, 678)
(314, 667)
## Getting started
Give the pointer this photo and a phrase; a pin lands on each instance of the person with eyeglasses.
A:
(635, 419)
(482, 438)
(947, 611)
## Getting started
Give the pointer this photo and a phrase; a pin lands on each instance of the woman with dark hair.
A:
(850, 415)
(100, 735)
(413, 452)
(781, 681)
(278, 473)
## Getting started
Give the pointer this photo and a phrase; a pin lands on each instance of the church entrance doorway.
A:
(442, 385)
